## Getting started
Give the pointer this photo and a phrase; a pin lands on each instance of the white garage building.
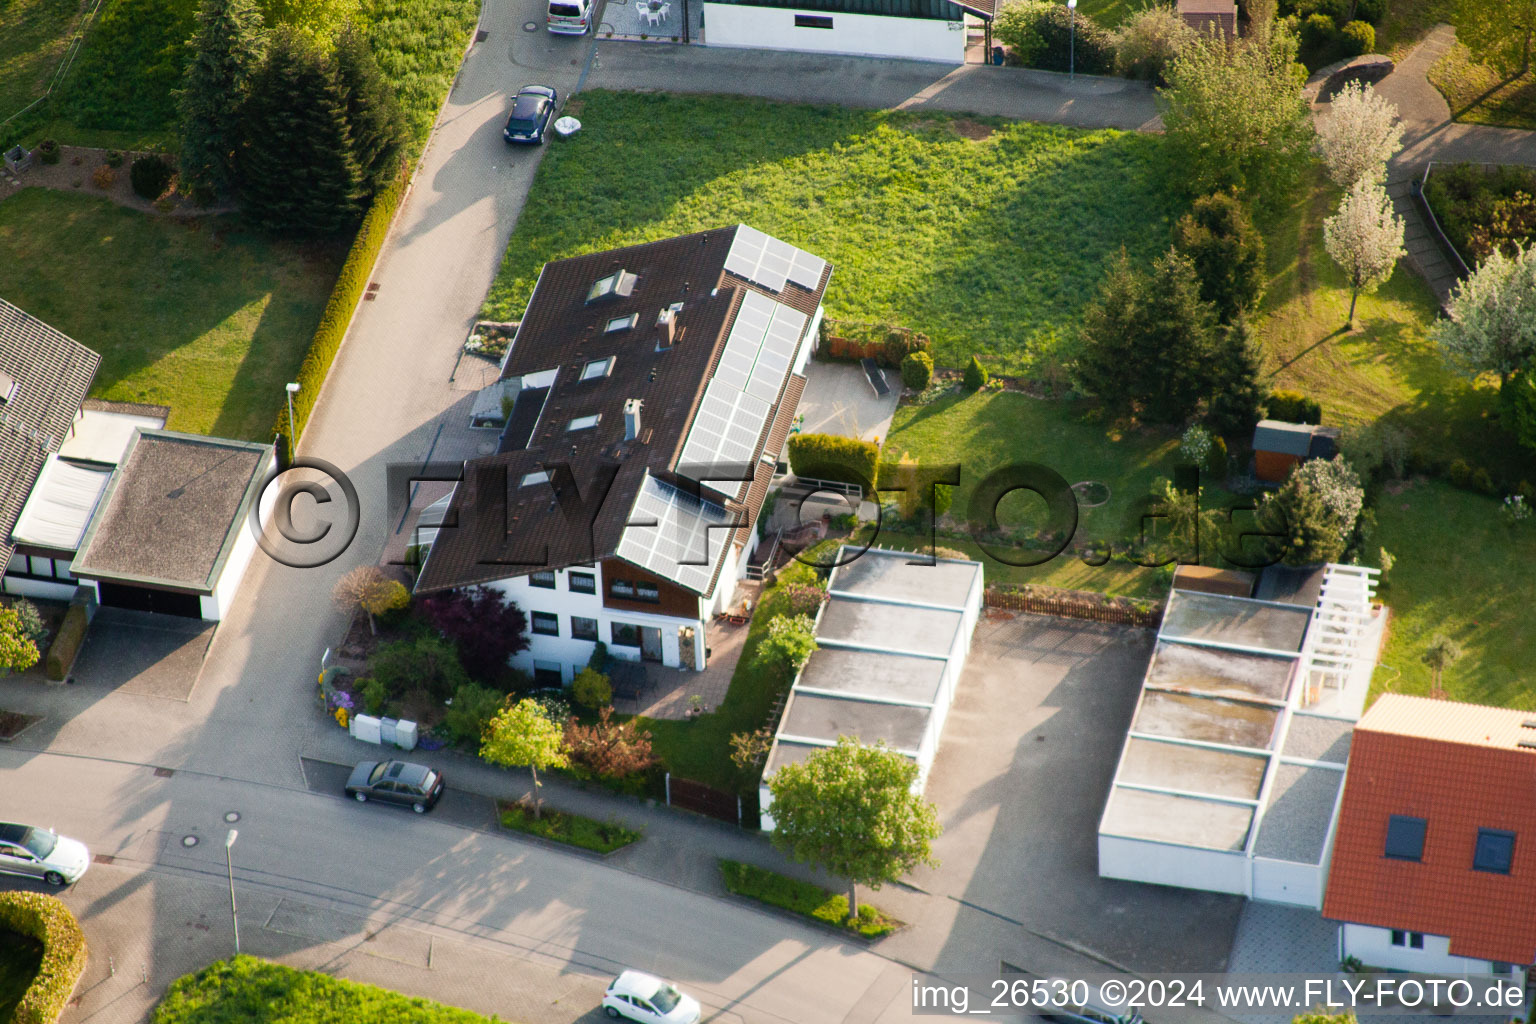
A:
(912, 29)
(892, 641)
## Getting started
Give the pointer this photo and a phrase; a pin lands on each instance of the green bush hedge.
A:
(917, 370)
(976, 375)
(49, 921)
(1293, 407)
(804, 899)
(348, 292)
(830, 457)
(66, 645)
(570, 829)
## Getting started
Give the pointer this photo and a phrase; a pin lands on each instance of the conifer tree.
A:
(373, 116)
(226, 53)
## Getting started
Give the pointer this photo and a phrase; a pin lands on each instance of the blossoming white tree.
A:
(1491, 327)
(1359, 136)
(1365, 238)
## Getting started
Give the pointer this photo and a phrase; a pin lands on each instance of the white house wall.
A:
(1284, 881)
(1137, 860)
(19, 586)
(216, 605)
(1373, 946)
(864, 35)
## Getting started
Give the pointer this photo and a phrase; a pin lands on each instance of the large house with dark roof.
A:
(652, 389)
(1434, 865)
(914, 29)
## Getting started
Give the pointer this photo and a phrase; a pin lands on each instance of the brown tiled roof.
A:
(562, 331)
(51, 373)
(1459, 767)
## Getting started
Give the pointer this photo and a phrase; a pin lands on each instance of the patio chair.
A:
(652, 18)
(661, 14)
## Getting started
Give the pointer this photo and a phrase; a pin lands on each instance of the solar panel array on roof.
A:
(766, 261)
(741, 394)
(669, 533)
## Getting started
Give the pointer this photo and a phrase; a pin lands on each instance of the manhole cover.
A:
(530, 26)
(232, 816)
(1091, 493)
(189, 841)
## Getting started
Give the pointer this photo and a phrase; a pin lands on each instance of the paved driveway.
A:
(1026, 760)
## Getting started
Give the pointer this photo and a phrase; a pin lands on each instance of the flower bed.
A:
(569, 829)
(805, 899)
(1483, 209)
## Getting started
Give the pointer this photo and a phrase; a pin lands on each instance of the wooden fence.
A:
(711, 802)
(1074, 604)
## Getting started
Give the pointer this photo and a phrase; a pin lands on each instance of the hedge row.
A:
(830, 457)
(345, 296)
(47, 920)
(66, 643)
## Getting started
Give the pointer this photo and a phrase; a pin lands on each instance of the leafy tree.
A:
(525, 736)
(18, 652)
(472, 709)
(1499, 33)
(611, 750)
(1491, 326)
(367, 587)
(1359, 135)
(1236, 119)
(1440, 655)
(1315, 512)
(790, 642)
(591, 689)
(976, 375)
(1148, 40)
(1045, 35)
(1518, 397)
(1236, 397)
(749, 748)
(486, 628)
(1218, 236)
(32, 625)
(1377, 448)
(374, 118)
(1148, 342)
(227, 50)
(296, 167)
(426, 663)
(1365, 238)
(850, 810)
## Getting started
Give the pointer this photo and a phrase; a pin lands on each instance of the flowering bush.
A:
(341, 717)
(803, 598)
(1515, 509)
(1195, 445)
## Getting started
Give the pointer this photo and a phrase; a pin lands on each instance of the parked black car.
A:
(532, 109)
(401, 782)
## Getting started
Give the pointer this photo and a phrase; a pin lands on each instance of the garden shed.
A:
(1280, 447)
(1210, 16)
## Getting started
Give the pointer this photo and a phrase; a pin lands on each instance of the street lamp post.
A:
(1072, 36)
(229, 864)
(293, 389)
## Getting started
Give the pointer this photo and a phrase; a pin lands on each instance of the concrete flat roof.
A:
(889, 576)
(1316, 738)
(874, 674)
(1220, 672)
(816, 717)
(1233, 620)
(1295, 823)
(1196, 769)
(103, 435)
(1186, 821)
(1208, 719)
(898, 626)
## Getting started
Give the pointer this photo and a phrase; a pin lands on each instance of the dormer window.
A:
(621, 323)
(584, 422)
(620, 283)
(597, 368)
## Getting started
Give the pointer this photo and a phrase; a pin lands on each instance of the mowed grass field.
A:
(989, 236)
(192, 314)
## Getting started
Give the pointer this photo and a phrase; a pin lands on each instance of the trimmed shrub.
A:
(1356, 38)
(374, 695)
(1040, 35)
(599, 659)
(66, 646)
(114, 158)
(917, 370)
(345, 296)
(1318, 32)
(48, 151)
(830, 457)
(1148, 40)
(103, 177)
(1459, 473)
(49, 921)
(473, 706)
(1482, 481)
(1293, 407)
(591, 689)
(976, 375)
(150, 176)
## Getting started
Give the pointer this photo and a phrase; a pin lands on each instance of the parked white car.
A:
(41, 853)
(649, 999)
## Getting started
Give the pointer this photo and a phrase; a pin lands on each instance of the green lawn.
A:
(1478, 94)
(246, 990)
(1462, 571)
(36, 34)
(190, 314)
(20, 957)
(990, 245)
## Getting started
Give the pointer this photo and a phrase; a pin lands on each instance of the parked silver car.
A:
(41, 853)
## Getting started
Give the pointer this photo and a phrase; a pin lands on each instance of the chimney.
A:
(632, 418)
(666, 328)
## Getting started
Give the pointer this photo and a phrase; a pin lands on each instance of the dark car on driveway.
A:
(401, 782)
(532, 109)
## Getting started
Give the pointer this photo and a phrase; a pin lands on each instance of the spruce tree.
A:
(226, 54)
(377, 125)
(1236, 396)
(297, 172)
(1228, 252)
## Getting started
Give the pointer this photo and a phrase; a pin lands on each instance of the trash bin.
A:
(997, 55)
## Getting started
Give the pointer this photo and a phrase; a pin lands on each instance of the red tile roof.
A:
(1461, 768)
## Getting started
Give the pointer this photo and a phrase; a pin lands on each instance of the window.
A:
(812, 21)
(548, 673)
(621, 588)
(583, 629)
(584, 422)
(1494, 852)
(546, 624)
(1405, 837)
(1503, 968)
(544, 579)
(620, 282)
(597, 368)
(582, 583)
(624, 634)
(539, 477)
(620, 323)
(647, 592)
(1408, 940)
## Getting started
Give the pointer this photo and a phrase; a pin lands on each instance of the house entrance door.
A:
(650, 643)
